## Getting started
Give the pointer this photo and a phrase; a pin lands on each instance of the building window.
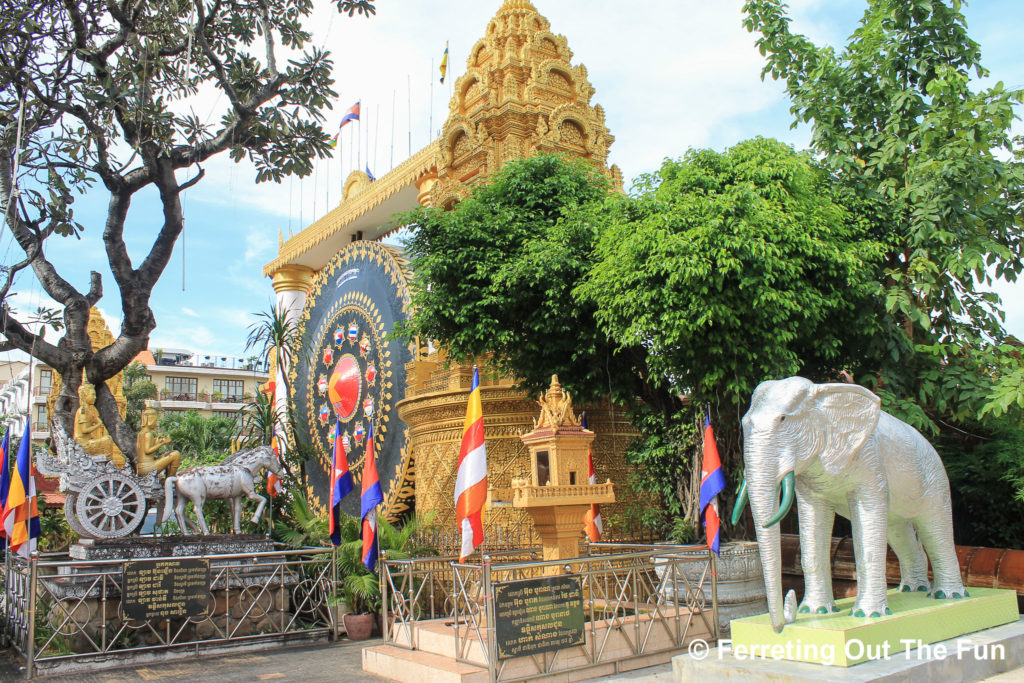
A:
(181, 388)
(41, 424)
(230, 389)
(45, 381)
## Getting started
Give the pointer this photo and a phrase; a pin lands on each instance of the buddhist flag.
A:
(592, 521)
(351, 115)
(712, 482)
(372, 496)
(5, 482)
(274, 485)
(341, 483)
(21, 512)
(444, 62)
(471, 479)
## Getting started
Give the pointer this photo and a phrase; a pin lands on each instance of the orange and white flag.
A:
(592, 521)
(471, 478)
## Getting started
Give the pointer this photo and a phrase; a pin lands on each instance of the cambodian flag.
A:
(351, 115)
(712, 482)
(371, 498)
(341, 483)
(5, 482)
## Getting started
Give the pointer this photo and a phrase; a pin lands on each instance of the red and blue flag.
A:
(712, 482)
(341, 483)
(351, 115)
(372, 497)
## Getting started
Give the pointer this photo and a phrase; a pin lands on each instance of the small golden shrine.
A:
(557, 495)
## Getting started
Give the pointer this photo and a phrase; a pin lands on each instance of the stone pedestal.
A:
(842, 640)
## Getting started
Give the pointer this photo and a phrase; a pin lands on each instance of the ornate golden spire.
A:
(520, 96)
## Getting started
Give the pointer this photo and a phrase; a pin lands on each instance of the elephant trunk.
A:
(762, 493)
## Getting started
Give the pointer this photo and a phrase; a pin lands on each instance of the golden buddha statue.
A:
(147, 445)
(90, 432)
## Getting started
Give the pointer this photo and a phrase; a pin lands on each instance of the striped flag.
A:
(274, 485)
(712, 482)
(444, 62)
(592, 521)
(21, 512)
(471, 479)
(370, 499)
(341, 483)
(5, 483)
(351, 115)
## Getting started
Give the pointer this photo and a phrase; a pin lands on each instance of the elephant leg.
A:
(935, 529)
(913, 563)
(868, 516)
(816, 520)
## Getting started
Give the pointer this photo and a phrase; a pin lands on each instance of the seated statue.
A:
(149, 443)
(90, 432)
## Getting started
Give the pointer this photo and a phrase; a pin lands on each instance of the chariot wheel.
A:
(70, 501)
(110, 506)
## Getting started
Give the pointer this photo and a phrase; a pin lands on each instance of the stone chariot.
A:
(102, 501)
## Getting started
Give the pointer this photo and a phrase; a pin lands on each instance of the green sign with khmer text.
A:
(538, 615)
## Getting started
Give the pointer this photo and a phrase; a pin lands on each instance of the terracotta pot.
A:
(359, 626)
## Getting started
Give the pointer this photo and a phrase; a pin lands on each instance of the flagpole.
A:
(376, 134)
(430, 129)
(408, 92)
(359, 136)
(394, 115)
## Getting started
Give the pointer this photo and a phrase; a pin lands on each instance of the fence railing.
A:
(59, 612)
(638, 601)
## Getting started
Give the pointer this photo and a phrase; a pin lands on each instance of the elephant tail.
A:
(168, 499)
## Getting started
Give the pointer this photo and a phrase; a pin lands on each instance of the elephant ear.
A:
(851, 414)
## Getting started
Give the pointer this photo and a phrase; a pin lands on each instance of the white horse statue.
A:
(233, 478)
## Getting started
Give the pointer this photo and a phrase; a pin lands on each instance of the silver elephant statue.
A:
(839, 451)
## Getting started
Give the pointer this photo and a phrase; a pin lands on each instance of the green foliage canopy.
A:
(894, 115)
(732, 268)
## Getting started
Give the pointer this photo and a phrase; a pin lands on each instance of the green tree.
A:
(99, 96)
(724, 269)
(495, 275)
(138, 389)
(736, 267)
(894, 116)
(200, 440)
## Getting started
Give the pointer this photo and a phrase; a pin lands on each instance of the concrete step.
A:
(417, 666)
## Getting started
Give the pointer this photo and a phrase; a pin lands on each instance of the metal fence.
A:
(640, 601)
(61, 614)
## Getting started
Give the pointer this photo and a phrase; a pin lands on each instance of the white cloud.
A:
(189, 312)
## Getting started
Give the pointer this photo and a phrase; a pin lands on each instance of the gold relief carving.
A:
(571, 133)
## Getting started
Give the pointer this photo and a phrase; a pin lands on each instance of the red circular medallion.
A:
(344, 387)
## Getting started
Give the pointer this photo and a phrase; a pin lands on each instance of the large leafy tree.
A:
(495, 276)
(721, 270)
(894, 115)
(729, 268)
(99, 96)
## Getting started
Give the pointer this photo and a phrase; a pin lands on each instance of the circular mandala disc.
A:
(353, 373)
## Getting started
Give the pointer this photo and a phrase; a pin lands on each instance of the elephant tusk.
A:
(741, 502)
(788, 484)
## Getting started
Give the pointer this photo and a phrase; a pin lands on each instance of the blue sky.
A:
(670, 74)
